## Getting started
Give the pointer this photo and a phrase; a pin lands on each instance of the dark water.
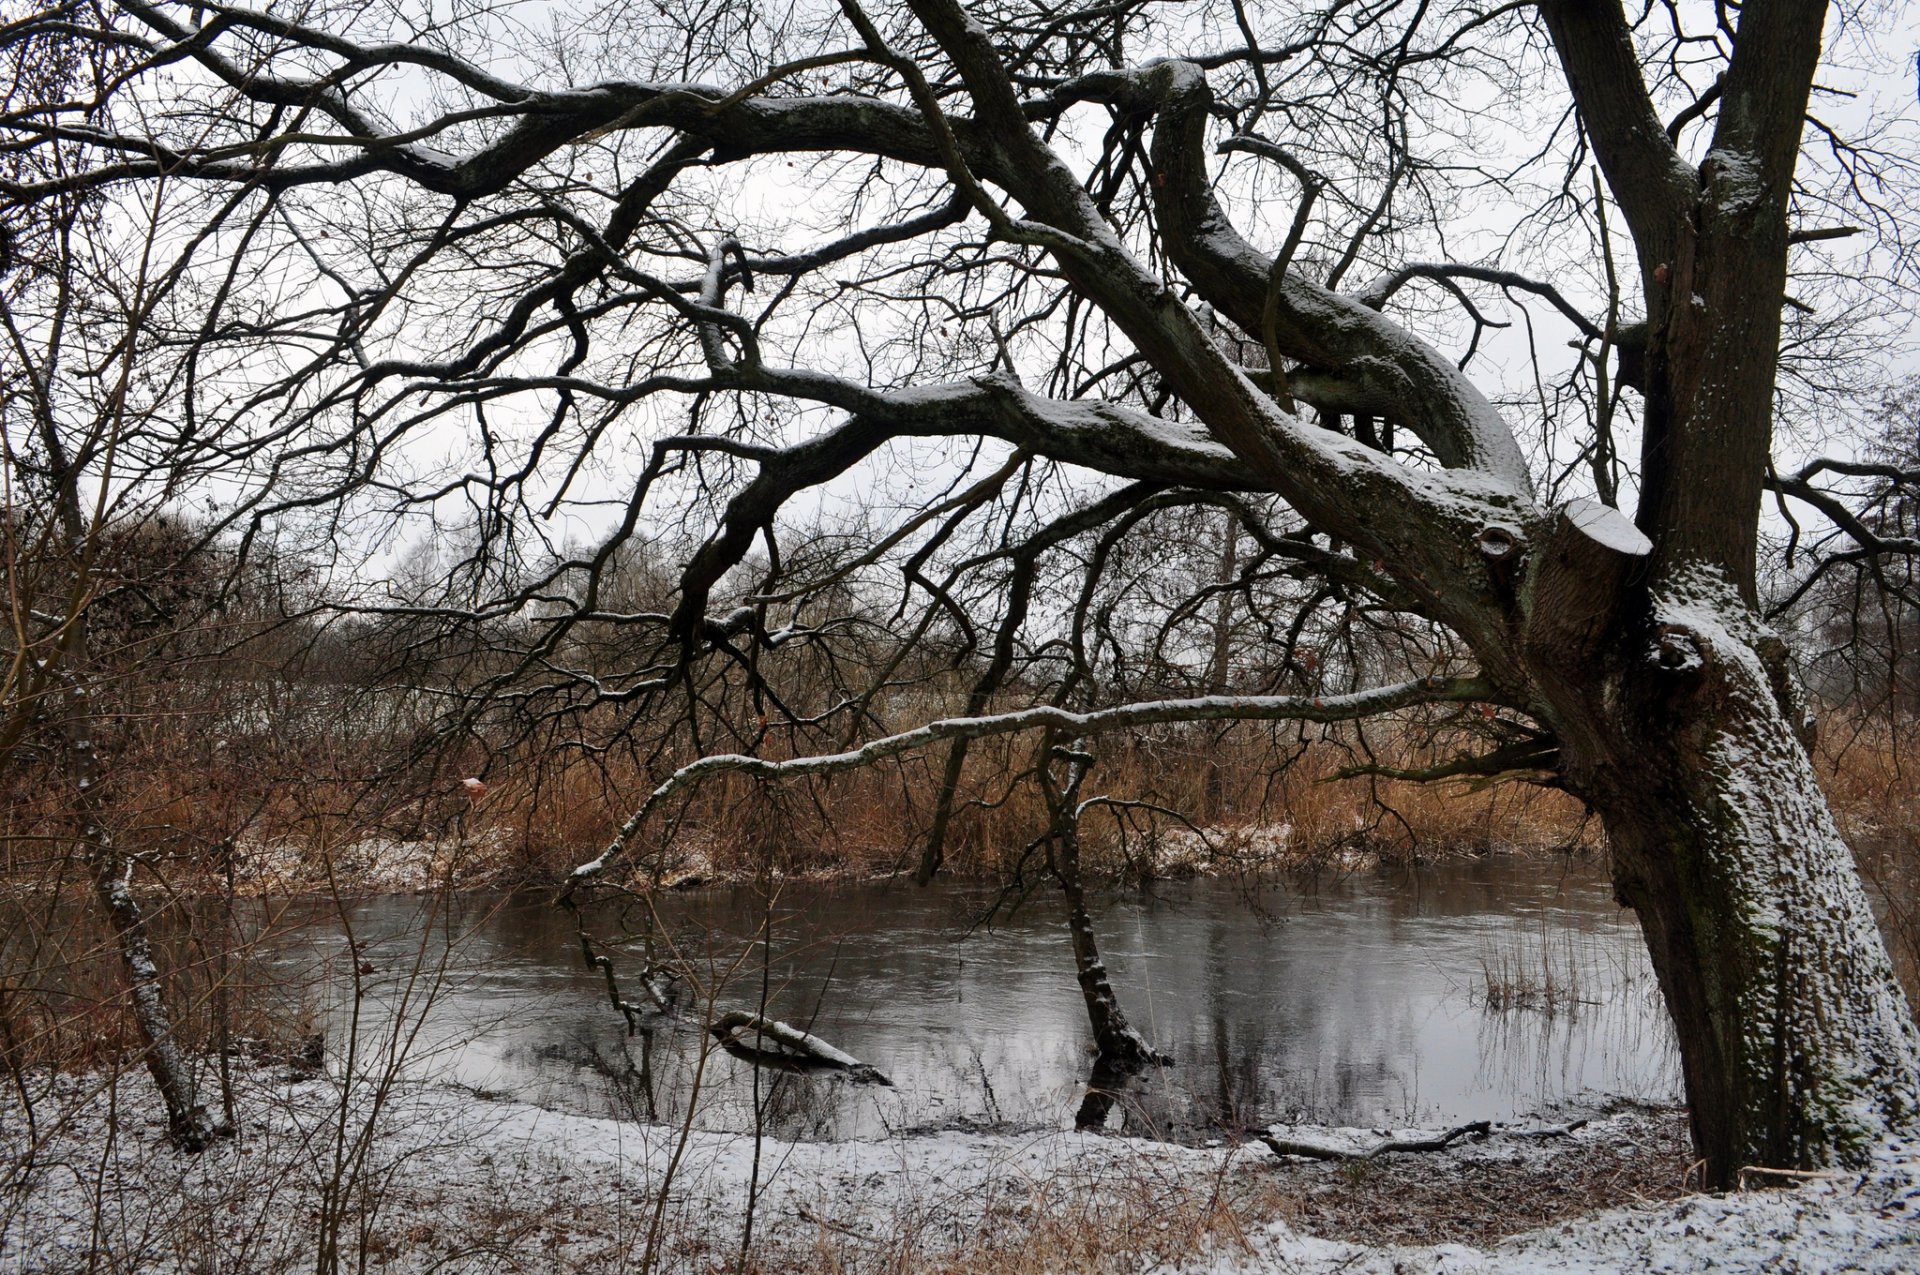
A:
(1360, 1000)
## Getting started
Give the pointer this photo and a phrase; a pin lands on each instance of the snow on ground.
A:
(1867, 1222)
(376, 865)
(452, 1181)
(1183, 852)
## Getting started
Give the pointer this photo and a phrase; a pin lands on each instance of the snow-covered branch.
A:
(1209, 708)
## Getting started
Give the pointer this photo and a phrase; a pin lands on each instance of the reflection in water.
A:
(628, 1080)
(1358, 1001)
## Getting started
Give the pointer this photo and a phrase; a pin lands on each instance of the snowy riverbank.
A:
(442, 1180)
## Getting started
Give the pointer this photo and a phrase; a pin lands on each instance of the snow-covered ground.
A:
(447, 1180)
(376, 865)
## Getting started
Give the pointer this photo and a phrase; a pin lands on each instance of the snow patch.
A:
(375, 865)
(1607, 526)
(459, 1175)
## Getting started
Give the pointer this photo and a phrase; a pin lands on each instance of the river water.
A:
(1484, 989)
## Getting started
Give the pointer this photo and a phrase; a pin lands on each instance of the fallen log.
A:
(1322, 1151)
(767, 1042)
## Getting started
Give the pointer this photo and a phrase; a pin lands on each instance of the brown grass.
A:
(1070, 1221)
(188, 807)
(185, 800)
(873, 821)
(1438, 1200)
(457, 1198)
(1541, 976)
(62, 997)
(1146, 1215)
(1141, 1213)
(1868, 767)
(1232, 798)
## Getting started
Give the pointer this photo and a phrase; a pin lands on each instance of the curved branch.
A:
(1377, 293)
(1837, 512)
(1325, 331)
(1210, 708)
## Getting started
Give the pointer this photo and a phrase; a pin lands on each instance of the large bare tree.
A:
(1053, 278)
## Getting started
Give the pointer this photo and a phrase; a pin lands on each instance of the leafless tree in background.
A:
(75, 422)
(1851, 581)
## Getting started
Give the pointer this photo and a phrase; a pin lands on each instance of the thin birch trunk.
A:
(188, 1124)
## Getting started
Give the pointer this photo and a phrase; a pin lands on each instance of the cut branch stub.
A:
(1497, 543)
(1588, 557)
(1504, 550)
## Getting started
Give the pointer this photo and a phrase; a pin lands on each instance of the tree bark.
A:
(767, 1042)
(1120, 1048)
(77, 725)
(188, 1123)
(1796, 1044)
(1217, 679)
(1675, 709)
(1119, 1044)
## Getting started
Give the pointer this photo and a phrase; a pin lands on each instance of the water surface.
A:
(1364, 999)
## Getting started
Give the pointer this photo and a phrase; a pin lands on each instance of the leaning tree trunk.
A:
(1797, 1043)
(1121, 1049)
(1672, 703)
(1120, 1046)
(188, 1123)
(1678, 724)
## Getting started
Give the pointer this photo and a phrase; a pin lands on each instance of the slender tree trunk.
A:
(1120, 1046)
(1213, 798)
(188, 1123)
(78, 726)
(1118, 1043)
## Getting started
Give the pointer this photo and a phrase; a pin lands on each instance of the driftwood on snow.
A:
(1321, 1151)
(767, 1042)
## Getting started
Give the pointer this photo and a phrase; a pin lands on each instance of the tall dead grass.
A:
(1182, 799)
(63, 1003)
(1139, 1216)
(1872, 778)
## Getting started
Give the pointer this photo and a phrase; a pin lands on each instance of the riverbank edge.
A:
(448, 1180)
(378, 866)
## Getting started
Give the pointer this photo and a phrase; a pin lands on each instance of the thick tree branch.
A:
(1329, 334)
(1651, 183)
(1212, 708)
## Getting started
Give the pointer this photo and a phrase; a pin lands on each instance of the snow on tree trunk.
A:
(188, 1123)
(1119, 1044)
(1679, 724)
(1121, 1048)
(1795, 1038)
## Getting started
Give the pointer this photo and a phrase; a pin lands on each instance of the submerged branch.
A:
(792, 1049)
